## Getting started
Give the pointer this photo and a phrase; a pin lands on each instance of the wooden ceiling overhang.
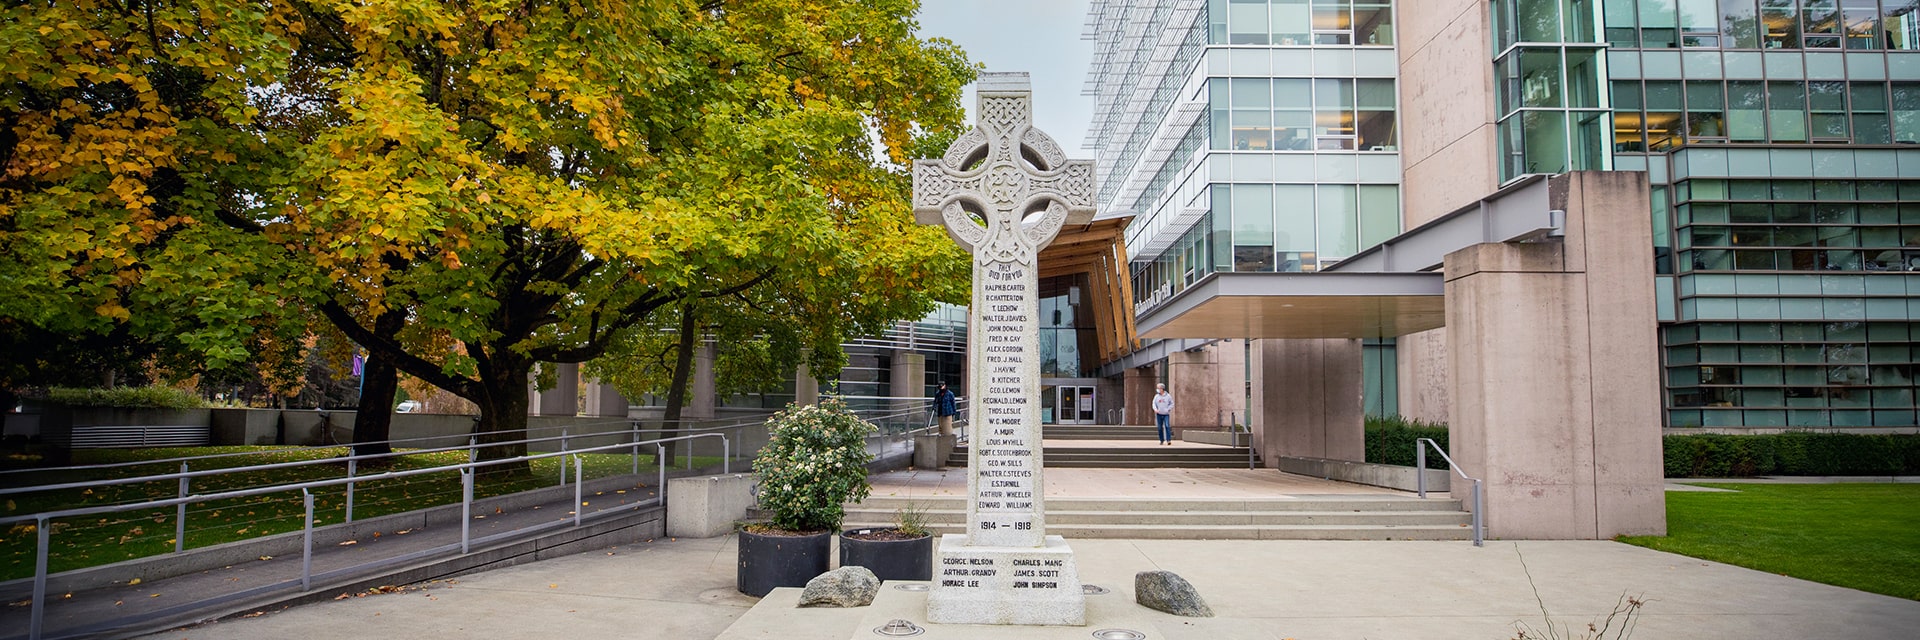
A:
(1099, 250)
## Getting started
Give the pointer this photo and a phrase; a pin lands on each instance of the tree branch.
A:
(414, 365)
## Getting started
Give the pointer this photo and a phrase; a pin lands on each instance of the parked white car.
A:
(409, 406)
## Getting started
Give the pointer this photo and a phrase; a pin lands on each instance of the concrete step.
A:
(1333, 503)
(1057, 517)
(1099, 432)
(1132, 457)
(1330, 517)
(1227, 532)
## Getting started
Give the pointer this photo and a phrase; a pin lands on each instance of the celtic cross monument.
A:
(1003, 191)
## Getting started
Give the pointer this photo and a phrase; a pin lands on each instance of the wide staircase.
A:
(1148, 454)
(1322, 517)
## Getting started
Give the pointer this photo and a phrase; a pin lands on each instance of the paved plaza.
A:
(1265, 590)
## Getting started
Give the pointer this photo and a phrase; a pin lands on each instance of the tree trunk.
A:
(373, 416)
(682, 373)
(503, 412)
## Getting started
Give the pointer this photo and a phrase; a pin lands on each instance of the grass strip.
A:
(1859, 536)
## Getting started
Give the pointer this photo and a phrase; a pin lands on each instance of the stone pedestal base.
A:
(1006, 585)
(932, 451)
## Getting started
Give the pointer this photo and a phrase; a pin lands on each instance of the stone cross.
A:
(1003, 191)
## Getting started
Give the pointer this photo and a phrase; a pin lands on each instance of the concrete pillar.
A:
(806, 390)
(605, 401)
(909, 381)
(564, 398)
(702, 392)
(1139, 383)
(1194, 378)
(1554, 405)
(1422, 370)
(1308, 400)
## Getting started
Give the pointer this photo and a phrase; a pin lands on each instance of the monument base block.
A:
(1006, 585)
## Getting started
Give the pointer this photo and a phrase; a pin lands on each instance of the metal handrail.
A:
(1420, 480)
(43, 520)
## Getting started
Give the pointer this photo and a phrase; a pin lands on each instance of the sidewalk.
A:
(1260, 590)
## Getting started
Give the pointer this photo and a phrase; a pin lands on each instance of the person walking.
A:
(1163, 412)
(943, 406)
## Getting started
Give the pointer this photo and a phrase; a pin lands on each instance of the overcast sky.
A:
(1041, 37)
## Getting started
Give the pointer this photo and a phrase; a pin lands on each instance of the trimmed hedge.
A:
(127, 397)
(1390, 440)
(1793, 453)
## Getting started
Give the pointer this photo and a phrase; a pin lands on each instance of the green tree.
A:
(527, 181)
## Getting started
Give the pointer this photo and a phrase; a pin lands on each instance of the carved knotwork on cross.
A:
(1004, 189)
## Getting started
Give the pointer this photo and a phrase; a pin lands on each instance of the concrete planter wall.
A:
(1379, 475)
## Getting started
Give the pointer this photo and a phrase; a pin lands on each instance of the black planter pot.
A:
(889, 559)
(768, 562)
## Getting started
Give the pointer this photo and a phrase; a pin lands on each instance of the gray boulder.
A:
(1166, 591)
(842, 587)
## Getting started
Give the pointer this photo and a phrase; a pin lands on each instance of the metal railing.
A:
(43, 521)
(1420, 475)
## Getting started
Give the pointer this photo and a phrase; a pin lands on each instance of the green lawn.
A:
(1860, 536)
(103, 539)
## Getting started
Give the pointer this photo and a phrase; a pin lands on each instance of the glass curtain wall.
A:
(1553, 105)
(1892, 25)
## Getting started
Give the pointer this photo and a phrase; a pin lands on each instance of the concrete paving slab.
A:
(1264, 590)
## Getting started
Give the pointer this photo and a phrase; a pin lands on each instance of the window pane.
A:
(1781, 24)
(1902, 26)
(1295, 217)
(1787, 119)
(1906, 111)
(1583, 78)
(1373, 22)
(1540, 78)
(1546, 141)
(1339, 224)
(1292, 22)
(1247, 22)
(1741, 24)
(1379, 214)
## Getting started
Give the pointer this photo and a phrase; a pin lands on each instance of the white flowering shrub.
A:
(816, 461)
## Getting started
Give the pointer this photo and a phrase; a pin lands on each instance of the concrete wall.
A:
(1448, 151)
(1139, 383)
(1421, 363)
(1308, 400)
(1555, 401)
(909, 381)
(1207, 383)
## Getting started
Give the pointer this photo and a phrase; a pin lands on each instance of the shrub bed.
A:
(1390, 440)
(127, 397)
(1794, 453)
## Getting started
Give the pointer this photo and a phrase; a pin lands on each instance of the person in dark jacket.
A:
(943, 406)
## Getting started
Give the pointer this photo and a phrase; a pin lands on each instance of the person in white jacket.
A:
(1163, 412)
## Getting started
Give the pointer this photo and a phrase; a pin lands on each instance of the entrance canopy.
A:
(1301, 305)
(1389, 290)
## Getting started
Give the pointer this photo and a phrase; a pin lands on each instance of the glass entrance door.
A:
(1075, 405)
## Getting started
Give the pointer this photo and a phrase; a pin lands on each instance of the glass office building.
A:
(1245, 135)
(1781, 139)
